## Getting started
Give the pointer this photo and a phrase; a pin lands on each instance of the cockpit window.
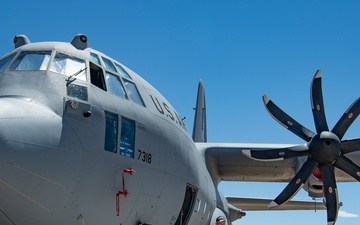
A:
(4, 63)
(31, 61)
(114, 85)
(68, 66)
(133, 92)
(95, 58)
(108, 64)
(121, 71)
(118, 81)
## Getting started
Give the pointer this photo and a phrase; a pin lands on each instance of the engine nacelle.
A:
(225, 211)
(314, 185)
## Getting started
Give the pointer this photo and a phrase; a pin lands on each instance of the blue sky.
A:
(240, 49)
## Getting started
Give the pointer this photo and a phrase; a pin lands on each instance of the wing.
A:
(251, 204)
(227, 162)
(230, 162)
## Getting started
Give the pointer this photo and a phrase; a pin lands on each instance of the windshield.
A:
(31, 61)
(5, 62)
(68, 66)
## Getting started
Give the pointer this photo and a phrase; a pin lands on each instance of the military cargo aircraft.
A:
(84, 140)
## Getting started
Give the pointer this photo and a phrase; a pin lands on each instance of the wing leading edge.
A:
(253, 204)
(231, 162)
(227, 162)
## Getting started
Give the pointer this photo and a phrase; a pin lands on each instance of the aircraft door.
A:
(188, 205)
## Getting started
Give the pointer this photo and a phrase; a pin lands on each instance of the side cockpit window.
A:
(114, 85)
(4, 63)
(69, 66)
(133, 92)
(108, 64)
(32, 61)
(117, 79)
(121, 71)
(97, 76)
(94, 58)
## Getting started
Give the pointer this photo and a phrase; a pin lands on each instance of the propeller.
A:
(324, 149)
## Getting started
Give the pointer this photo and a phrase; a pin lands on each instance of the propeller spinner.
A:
(324, 149)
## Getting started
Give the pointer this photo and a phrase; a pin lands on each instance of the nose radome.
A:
(22, 120)
(40, 161)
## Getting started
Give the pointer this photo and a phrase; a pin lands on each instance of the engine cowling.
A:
(314, 185)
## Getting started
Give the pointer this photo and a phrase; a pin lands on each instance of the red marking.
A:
(281, 153)
(289, 123)
(350, 115)
(318, 107)
(125, 193)
(358, 173)
(298, 181)
(317, 174)
(129, 171)
(117, 205)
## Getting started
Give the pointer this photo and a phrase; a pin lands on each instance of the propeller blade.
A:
(295, 184)
(277, 154)
(330, 191)
(351, 145)
(348, 166)
(347, 119)
(286, 121)
(317, 103)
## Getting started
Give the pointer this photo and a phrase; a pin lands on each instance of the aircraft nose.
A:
(24, 121)
(40, 161)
